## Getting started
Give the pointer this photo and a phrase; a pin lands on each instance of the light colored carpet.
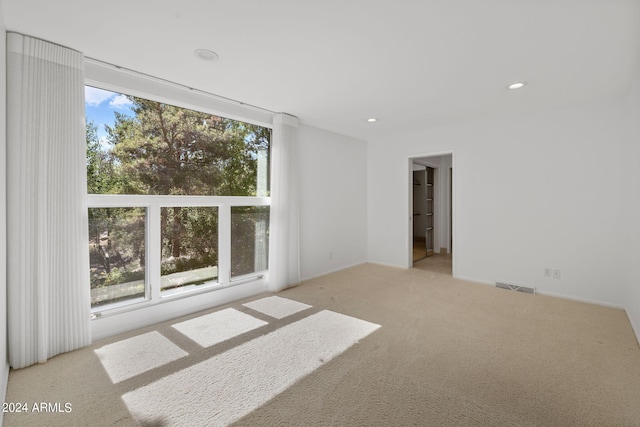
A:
(214, 328)
(448, 353)
(277, 307)
(226, 387)
(133, 356)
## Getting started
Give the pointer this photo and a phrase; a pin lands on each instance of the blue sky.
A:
(100, 105)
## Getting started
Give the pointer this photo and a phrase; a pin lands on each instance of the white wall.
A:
(532, 191)
(333, 210)
(633, 291)
(4, 367)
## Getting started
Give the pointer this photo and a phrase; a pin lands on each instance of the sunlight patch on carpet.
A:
(219, 326)
(133, 356)
(230, 385)
(277, 307)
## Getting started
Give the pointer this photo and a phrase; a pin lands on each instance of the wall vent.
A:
(517, 288)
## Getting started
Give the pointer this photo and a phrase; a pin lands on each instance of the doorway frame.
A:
(409, 205)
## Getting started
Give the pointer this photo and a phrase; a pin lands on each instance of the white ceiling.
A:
(335, 63)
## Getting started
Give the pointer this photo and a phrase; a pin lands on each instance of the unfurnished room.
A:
(338, 213)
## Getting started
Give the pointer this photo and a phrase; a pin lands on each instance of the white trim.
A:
(475, 280)
(143, 200)
(315, 276)
(551, 294)
(224, 241)
(556, 295)
(578, 299)
(153, 248)
(386, 264)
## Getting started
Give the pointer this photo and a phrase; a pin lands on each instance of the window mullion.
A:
(154, 252)
(224, 244)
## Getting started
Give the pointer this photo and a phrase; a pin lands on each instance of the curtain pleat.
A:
(284, 269)
(47, 253)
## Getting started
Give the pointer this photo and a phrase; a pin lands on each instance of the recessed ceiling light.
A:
(207, 55)
(516, 85)
(372, 120)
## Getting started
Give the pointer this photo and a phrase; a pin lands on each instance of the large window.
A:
(178, 199)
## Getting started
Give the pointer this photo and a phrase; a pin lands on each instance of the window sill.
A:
(136, 316)
(171, 295)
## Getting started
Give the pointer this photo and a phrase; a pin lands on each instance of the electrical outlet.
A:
(547, 272)
(556, 274)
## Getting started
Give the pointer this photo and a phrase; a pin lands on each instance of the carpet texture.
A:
(277, 307)
(228, 386)
(217, 327)
(448, 353)
(133, 356)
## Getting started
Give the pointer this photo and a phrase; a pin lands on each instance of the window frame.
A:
(119, 80)
(153, 246)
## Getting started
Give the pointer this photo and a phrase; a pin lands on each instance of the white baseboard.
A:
(388, 264)
(580, 299)
(304, 279)
(474, 280)
(550, 294)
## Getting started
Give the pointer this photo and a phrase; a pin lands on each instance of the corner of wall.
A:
(4, 366)
(635, 324)
(632, 299)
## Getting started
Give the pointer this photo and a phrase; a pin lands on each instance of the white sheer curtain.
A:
(47, 256)
(284, 265)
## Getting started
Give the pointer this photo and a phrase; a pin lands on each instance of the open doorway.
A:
(422, 212)
(431, 213)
